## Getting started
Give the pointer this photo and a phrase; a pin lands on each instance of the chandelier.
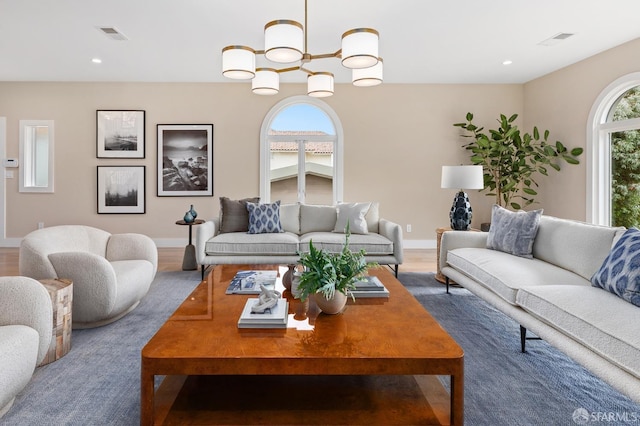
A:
(285, 42)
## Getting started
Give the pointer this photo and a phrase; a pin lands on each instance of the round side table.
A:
(61, 293)
(189, 258)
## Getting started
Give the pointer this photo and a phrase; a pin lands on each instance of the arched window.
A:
(301, 153)
(613, 147)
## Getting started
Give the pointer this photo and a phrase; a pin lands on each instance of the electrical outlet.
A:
(40, 225)
(409, 227)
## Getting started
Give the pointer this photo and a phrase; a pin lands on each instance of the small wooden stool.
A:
(61, 292)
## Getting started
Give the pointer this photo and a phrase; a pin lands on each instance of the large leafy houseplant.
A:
(512, 160)
(326, 272)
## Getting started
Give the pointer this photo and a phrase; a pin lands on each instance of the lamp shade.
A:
(371, 76)
(283, 41)
(360, 48)
(238, 62)
(266, 82)
(320, 84)
(462, 177)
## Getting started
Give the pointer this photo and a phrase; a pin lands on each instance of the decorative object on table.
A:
(188, 217)
(120, 134)
(330, 276)
(249, 282)
(121, 189)
(511, 161)
(267, 311)
(285, 41)
(185, 160)
(193, 212)
(461, 178)
(287, 277)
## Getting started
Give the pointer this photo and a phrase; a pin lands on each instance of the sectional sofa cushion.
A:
(317, 218)
(596, 318)
(506, 274)
(242, 243)
(354, 215)
(264, 218)
(372, 244)
(576, 246)
(513, 232)
(234, 216)
(620, 271)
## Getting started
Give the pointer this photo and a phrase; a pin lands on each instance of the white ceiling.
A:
(421, 41)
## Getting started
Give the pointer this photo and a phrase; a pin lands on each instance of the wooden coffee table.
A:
(371, 364)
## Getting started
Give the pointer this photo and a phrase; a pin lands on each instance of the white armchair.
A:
(26, 322)
(110, 272)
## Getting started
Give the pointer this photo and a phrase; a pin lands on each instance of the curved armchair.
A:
(110, 272)
(25, 334)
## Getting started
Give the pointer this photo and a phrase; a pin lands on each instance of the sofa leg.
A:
(203, 268)
(396, 266)
(446, 281)
(523, 338)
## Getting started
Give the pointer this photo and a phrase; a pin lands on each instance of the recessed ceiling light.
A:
(507, 62)
(96, 60)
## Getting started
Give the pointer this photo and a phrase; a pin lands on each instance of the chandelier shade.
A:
(238, 62)
(266, 82)
(320, 84)
(366, 77)
(283, 41)
(360, 48)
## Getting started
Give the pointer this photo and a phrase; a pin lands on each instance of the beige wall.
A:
(561, 102)
(397, 137)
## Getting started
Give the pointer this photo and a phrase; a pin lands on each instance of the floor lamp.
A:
(461, 178)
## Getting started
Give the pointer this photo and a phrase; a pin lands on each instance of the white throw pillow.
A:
(353, 214)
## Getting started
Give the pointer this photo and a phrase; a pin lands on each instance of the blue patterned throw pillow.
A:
(620, 271)
(264, 218)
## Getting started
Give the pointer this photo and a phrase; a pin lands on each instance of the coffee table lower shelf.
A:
(301, 400)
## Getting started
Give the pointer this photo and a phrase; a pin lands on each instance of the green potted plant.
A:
(511, 160)
(330, 276)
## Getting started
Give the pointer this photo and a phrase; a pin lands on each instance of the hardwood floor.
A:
(170, 259)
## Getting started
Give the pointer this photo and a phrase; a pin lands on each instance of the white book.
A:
(275, 317)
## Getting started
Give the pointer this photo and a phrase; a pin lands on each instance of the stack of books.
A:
(275, 317)
(370, 287)
(248, 282)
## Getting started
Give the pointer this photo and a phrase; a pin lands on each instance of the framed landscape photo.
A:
(121, 189)
(185, 160)
(120, 134)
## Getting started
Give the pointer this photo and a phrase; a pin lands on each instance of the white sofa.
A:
(552, 296)
(301, 223)
(110, 272)
(26, 322)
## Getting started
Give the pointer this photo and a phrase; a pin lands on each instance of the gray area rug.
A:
(97, 382)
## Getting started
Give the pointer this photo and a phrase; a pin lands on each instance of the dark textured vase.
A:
(461, 213)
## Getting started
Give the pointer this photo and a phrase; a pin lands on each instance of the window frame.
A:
(599, 129)
(265, 147)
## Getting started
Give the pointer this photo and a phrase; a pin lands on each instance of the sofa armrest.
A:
(132, 247)
(204, 233)
(24, 301)
(393, 232)
(460, 239)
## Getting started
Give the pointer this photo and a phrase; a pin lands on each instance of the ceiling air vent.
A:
(113, 33)
(552, 41)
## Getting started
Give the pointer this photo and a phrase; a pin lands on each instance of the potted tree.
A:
(329, 276)
(511, 160)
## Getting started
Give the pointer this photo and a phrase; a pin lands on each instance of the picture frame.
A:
(121, 189)
(185, 160)
(120, 134)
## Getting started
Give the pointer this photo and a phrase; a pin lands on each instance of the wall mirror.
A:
(36, 156)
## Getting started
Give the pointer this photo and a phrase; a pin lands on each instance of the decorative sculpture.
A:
(267, 300)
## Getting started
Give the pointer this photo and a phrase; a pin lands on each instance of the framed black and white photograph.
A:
(185, 160)
(120, 134)
(121, 189)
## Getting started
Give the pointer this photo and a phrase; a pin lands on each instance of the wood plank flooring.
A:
(170, 259)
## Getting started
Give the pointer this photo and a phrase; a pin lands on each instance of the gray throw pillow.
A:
(234, 216)
(513, 232)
